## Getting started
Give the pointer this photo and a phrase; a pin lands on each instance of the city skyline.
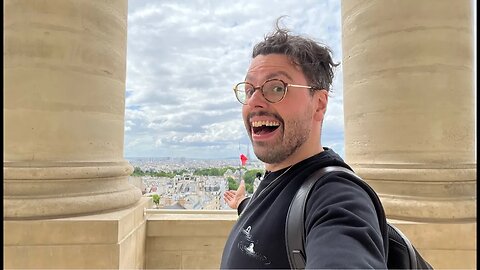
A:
(183, 60)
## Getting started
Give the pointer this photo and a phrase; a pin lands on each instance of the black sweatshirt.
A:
(342, 229)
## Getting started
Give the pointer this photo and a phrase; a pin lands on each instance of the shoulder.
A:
(341, 216)
(340, 190)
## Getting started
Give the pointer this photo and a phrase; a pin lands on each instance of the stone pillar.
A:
(67, 200)
(409, 110)
(64, 90)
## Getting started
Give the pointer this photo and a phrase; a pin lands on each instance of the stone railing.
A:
(194, 239)
(186, 239)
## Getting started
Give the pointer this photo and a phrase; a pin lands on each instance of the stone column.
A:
(64, 90)
(409, 108)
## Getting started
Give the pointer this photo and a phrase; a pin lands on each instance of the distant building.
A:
(138, 182)
(174, 206)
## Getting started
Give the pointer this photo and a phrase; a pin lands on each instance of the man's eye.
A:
(249, 91)
(277, 89)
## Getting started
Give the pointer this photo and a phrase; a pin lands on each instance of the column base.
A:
(114, 240)
(443, 245)
(34, 190)
(424, 193)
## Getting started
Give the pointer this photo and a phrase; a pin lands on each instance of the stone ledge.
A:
(61, 257)
(443, 245)
(439, 236)
(187, 239)
(105, 228)
(189, 224)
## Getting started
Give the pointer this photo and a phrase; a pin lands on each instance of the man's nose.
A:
(257, 99)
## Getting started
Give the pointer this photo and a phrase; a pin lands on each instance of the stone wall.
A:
(187, 239)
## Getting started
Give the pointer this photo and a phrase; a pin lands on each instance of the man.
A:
(284, 99)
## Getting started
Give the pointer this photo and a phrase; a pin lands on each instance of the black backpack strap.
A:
(411, 251)
(295, 222)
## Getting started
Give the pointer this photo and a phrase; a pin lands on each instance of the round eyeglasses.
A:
(273, 90)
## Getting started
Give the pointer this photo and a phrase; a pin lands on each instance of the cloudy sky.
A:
(183, 59)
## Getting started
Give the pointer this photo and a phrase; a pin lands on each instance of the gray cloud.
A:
(183, 59)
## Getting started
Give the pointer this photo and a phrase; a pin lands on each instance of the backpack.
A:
(400, 253)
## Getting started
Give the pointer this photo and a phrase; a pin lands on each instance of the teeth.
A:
(265, 123)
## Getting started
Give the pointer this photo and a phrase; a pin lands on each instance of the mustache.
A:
(263, 113)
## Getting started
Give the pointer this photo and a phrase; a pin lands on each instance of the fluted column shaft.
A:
(64, 90)
(409, 104)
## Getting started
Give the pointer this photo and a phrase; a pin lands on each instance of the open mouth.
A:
(264, 127)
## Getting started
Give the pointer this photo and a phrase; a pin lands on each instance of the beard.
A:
(289, 141)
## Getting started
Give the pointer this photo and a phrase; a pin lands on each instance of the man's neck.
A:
(291, 160)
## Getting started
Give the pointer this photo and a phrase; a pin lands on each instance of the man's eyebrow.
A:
(271, 76)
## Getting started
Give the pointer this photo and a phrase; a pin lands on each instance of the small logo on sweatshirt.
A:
(247, 245)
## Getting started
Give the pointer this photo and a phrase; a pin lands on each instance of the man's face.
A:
(278, 130)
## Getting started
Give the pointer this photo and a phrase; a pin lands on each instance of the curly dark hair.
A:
(312, 57)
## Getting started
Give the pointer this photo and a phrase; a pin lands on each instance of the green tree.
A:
(138, 172)
(249, 176)
(249, 187)
(156, 199)
(163, 174)
(180, 172)
(232, 184)
(212, 171)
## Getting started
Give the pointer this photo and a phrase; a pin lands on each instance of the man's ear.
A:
(321, 99)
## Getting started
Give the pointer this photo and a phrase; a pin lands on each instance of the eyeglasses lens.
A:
(240, 92)
(274, 90)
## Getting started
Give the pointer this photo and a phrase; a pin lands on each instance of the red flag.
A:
(244, 159)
